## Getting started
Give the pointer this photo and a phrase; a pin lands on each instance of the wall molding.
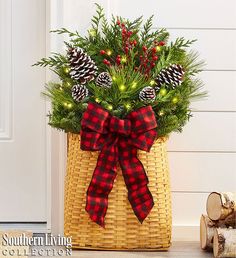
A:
(33, 227)
(6, 89)
(58, 139)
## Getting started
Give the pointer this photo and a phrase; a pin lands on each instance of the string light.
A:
(68, 105)
(114, 78)
(109, 107)
(175, 100)
(109, 52)
(123, 59)
(134, 84)
(161, 113)
(152, 82)
(122, 87)
(127, 105)
(66, 70)
(158, 48)
(163, 92)
(97, 100)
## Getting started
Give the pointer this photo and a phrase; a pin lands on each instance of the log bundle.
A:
(224, 242)
(218, 227)
(221, 205)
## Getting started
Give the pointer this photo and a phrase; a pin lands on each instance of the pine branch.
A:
(64, 31)
(96, 19)
(56, 60)
(134, 25)
(146, 30)
(182, 43)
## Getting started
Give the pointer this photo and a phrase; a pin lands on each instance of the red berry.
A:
(140, 57)
(124, 31)
(154, 50)
(126, 49)
(118, 22)
(152, 64)
(135, 42)
(118, 56)
(102, 52)
(105, 61)
(161, 43)
(122, 25)
(144, 48)
(155, 58)
(130, 33)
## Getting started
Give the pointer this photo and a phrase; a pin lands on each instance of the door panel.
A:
(22, 113)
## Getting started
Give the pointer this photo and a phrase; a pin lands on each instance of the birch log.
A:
(207, 227)
(221, 205)
(224, 242)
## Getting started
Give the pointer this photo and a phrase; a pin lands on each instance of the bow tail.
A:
(101, 184)
(136, 181)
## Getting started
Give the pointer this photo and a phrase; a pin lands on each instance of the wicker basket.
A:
(123, 230)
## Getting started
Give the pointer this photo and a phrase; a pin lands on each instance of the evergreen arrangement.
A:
(123, 65)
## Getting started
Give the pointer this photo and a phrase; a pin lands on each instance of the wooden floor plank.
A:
(178, 250)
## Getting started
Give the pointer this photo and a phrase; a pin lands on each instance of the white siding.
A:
(203, 157)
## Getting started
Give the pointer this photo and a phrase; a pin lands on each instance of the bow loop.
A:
(95, 118)
(142, 120)
(120, 126)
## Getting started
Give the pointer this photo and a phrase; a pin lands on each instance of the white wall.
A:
(203, 157)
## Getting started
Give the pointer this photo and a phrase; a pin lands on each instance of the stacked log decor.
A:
(221, 205)
(206, 232)
(218, 227)
(224, 242)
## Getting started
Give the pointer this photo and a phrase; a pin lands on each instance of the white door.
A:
(22, 112)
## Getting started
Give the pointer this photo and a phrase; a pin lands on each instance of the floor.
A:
(178, 250)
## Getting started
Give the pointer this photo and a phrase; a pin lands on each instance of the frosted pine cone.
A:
(147, 94)
(171, 76)
(104, 80)
(79, 92)
(83, 68)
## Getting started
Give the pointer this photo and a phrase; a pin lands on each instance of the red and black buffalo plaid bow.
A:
(118, 140)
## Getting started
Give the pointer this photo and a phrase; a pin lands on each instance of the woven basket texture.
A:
(122, 229)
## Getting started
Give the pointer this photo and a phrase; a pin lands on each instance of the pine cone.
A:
(83, 68)
(171, 76)
(147, 94)
(104, 80)
(79, 92)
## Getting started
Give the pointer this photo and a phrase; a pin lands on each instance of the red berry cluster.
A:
(149, 58)
(127, 43)
(105, 61)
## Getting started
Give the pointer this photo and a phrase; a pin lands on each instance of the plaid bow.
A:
(118, 141)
